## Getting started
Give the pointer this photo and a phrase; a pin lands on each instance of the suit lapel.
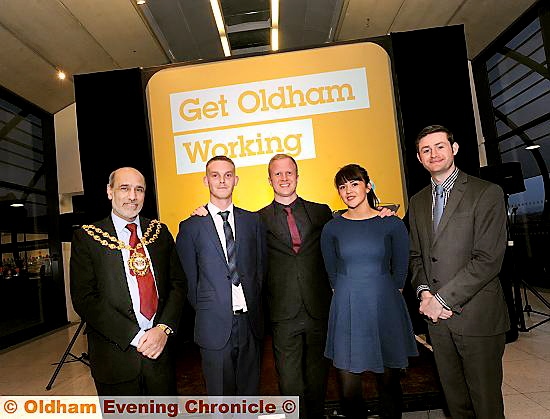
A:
(452, 203)
(311, 218)
(114, 256)
(152, 248)
(239, 227)
(277, 228)
(115, 260)
(425, 215)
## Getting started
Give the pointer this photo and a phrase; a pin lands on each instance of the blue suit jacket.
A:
(205, 266)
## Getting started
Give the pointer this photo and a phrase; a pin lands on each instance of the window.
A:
(513, 84)
(30, 272)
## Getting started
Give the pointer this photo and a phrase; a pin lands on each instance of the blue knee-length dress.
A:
(369, 326)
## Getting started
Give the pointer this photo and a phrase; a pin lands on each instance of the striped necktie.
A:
(230, 248)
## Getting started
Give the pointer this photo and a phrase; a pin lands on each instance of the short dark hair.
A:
(352, 172)
(219, 158)
(430, 129)
(281, 157)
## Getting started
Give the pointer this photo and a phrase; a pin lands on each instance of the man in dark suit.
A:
(222, 255)
(127, 284)
(298, 289)
(458, 239)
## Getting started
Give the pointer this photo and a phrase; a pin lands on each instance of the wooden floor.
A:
(419, 381)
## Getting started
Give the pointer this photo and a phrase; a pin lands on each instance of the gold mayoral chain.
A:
(138, 262)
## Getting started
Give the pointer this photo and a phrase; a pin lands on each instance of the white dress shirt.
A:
(237, 293)
(124, 234)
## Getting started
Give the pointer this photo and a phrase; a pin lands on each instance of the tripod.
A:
(519, 283)
(527, 308)
(82, 358)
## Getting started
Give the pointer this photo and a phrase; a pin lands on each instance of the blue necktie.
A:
(438, 205)
(230, 248)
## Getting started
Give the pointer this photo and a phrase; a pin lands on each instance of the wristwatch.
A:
(166, 329)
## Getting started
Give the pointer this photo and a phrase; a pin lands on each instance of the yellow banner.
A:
(326, 107)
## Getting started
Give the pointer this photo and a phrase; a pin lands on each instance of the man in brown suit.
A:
(458, 239)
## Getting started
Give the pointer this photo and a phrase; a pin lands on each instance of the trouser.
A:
(470, 370)
(155, 378)
(298, 347)
(234, 370)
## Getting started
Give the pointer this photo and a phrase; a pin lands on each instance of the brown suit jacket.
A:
(462, 259)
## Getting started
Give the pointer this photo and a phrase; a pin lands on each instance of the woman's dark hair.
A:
(353, 172)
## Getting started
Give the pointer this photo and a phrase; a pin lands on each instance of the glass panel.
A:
(30, 271)
(517, 88)
(526, 33)
(26, 271)
(537, 105)
(520, 94)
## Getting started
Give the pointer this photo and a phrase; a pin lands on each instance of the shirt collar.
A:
(214, 210)
(120, 223)
(447, 183)
(291, 205)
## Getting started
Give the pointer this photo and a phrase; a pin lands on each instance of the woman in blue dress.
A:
(369, 328)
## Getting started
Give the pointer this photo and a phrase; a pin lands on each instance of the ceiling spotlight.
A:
(16, 205)
(274, 25)
(140, 2)
(220, 24)
(274, 39)
(532, 147)
(61, 75)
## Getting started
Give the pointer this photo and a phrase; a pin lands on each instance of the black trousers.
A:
(234, 370)
(157, 377)
(298, 347)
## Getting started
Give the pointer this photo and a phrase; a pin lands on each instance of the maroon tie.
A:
(148, 300)
(294, 233)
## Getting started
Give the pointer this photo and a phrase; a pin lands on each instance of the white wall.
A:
(69, 181)
(69, 177)
(480, 138)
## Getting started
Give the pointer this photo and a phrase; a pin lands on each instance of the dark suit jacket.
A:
(101, 297)
(295, 278)
(462, 260)
(205, 266)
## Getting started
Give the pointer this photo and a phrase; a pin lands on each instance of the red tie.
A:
(294, 233)
(148, 300)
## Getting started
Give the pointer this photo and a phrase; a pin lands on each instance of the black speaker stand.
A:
(520, 308)
(82, 358)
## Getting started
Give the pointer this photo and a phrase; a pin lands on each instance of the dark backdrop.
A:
(113, 131)
(431, 83)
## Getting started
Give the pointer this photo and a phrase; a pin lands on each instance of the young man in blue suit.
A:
(222, 255)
